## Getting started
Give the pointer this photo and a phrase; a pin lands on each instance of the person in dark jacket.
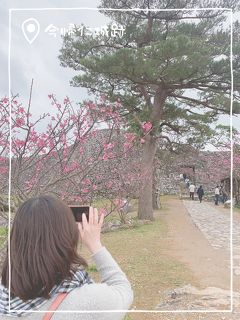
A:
(200, 193)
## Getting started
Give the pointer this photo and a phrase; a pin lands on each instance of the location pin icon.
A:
(30, 29)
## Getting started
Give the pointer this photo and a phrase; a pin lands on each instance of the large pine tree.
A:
(170, 68)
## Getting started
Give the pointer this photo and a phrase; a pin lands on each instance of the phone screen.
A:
(78, 212)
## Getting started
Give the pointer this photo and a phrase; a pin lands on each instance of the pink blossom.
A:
(146, 126)
(91, 106)
(103, 211)
(29, 184)
(66, 100)
(127, 145)
(103, 98)
(77, 198)
(19, 122)
(130, 137)
(142, 140)
(105, 157)
(94, 133)
(21, 110)
(41, 143)
(66, 169)
(51, 143)
(108, 146)
(74, 117)
(86, 181)
(110, 184)
(3, 170)
(19, 143)
(33, 136)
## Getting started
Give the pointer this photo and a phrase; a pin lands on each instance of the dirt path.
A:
(189, 245)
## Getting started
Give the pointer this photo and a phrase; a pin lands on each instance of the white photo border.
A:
(231, 174)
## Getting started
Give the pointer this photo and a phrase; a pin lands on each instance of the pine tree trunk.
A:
(156, 199)
(145, 204)
(156, 192)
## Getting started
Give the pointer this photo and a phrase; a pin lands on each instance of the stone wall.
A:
(199, 168)
(167, 183)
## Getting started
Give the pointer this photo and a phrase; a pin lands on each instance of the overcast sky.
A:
(38, 60)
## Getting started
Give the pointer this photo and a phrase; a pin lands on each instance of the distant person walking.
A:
(200, 193)
(223, 195)
(192, 190)
(187, 182)
(217, 194)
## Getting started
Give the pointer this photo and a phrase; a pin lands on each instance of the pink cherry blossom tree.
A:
(223, 166)
(79, 153)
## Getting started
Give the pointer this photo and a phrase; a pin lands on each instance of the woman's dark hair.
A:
(44, 239)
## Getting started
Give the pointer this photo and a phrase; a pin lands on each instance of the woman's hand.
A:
(90, 230)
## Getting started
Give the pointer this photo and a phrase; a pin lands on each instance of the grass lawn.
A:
(3, 239)
(3, 235)
(141, 253)
(236, 209)
(3, 231)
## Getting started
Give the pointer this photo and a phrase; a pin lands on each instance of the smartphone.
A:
(78, 212)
